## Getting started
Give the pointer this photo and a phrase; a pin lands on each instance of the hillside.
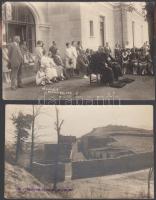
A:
(135, 139)
(21, 184)
(116, 129)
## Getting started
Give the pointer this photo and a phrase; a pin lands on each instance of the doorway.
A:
(21, 23)
(16, 29)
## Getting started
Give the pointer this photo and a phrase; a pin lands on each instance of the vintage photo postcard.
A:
(83, 152)
(78, 50)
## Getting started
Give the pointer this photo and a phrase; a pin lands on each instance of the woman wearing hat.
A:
(5, 62)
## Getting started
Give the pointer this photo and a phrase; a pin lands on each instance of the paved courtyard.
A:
(143, 88)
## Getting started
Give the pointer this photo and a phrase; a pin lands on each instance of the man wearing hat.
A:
(16, 61)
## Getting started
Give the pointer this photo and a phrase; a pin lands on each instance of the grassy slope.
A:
(16, 177)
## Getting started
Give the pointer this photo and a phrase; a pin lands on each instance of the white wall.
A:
(65, 21)
(93, 11)
(141, 29)
(43, 26)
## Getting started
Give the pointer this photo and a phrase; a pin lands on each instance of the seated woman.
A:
(24, 51)
(49, 67)
(134, 61)
(112, 63)
(150, 70)
(41, 78)
(99, 65)
(59, 65)
(107, 76)
(82, 64)
(142, 63)
(28, 57)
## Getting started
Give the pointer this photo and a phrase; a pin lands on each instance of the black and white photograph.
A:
(78, 50)
(77, 102)
(83, 152)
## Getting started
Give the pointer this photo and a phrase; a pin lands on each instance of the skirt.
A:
(51, 72)
(5, 67)
(59, 70)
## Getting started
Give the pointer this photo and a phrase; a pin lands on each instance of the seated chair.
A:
(95, 78)
(94, 70)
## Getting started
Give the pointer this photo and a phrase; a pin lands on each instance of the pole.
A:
(122, 39)
(57, 151)
(32, 140)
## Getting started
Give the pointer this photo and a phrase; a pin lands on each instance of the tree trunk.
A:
(58, 128)
(57, 153)
(18, 146)
(150, 8)
(149, 179)
(17, 149)
(32, 141)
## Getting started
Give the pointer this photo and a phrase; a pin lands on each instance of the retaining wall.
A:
(46, 172)
(94, 168)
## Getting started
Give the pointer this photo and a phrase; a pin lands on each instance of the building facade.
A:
(92, 23)
(60, 152)
(89, 143)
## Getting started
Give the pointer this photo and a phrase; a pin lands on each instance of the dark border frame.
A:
(74, 102)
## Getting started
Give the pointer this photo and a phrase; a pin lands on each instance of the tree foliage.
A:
(22, 123)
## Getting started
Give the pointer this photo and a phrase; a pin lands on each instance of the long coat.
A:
(15, 55)
(97, 62)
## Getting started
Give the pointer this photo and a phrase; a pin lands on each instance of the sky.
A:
(79, 120)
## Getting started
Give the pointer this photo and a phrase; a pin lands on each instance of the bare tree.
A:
(36, 111)
(58, 126)
(150, 12)
(149, 180)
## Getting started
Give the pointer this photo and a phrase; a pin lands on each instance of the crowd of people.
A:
(135, 60)
(51, 67)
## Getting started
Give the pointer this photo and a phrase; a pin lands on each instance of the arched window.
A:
(19, 20)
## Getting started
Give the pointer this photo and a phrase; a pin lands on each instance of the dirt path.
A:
(132, 185)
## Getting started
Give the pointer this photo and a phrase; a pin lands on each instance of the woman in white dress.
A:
(38, 55)
(49, 67)
(41, 78)
(74, 54)
(69, 60)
